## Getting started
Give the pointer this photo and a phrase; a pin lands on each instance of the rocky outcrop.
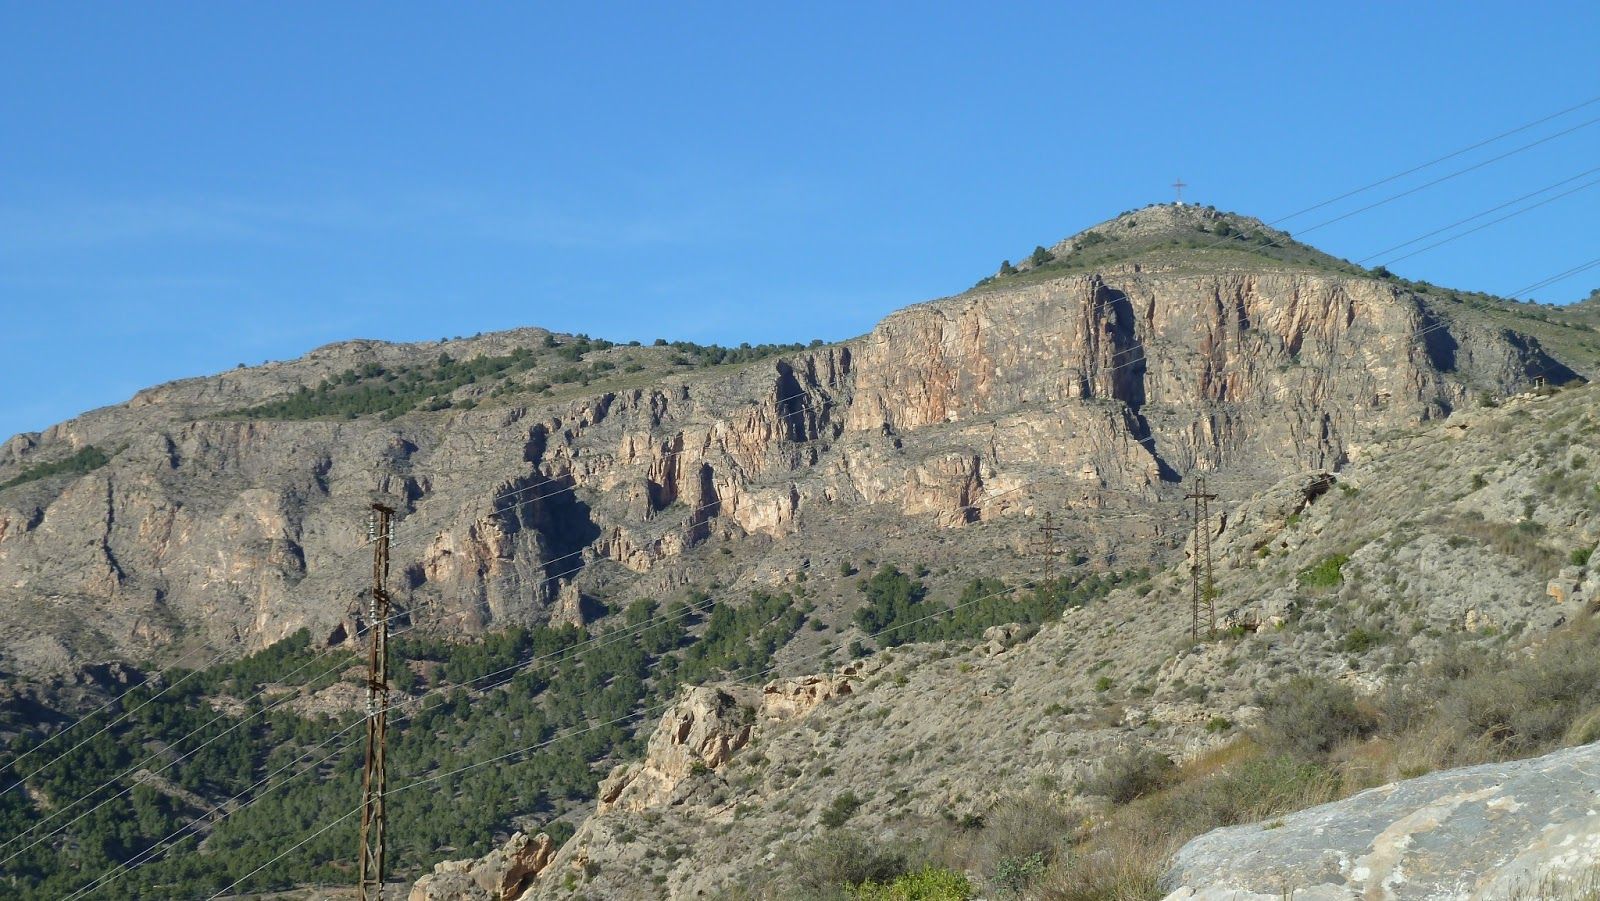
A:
(782, 699)
(699, 733)
(502, 875)
(1514, 830)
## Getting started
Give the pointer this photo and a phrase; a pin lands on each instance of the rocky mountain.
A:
(1403, 499)
(539, 477)
(1462, 532)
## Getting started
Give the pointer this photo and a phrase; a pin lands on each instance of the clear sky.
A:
(184, 187)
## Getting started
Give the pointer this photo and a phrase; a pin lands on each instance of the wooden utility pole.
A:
(1205, 594)
(374, 778)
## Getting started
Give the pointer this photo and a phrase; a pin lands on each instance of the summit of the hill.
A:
(1168, 234)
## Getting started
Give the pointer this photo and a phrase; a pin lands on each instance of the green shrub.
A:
(1019, 828)
(926, 884)
(1327, 573)
(1128, 775)
(1013, 875)
(1361, 640)
(1308, 715)
(87, 459)
(1580, 556)
(841, 859)
(841, 810)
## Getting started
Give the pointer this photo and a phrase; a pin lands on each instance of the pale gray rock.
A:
(1485, 833)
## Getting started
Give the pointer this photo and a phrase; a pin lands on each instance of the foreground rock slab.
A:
(1524, 829)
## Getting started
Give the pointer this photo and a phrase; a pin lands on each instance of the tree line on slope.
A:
(475, 712)
(373, 389)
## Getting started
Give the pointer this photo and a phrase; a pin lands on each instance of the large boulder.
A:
(501, 875)
(1501, 831)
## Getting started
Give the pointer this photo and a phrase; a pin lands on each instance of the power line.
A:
(88, 716)
(149, 853)
(1114, 368)
(1434, 162)
(1511, 215)
(1559, 276)
(375, 773)
(1204, 597)
(136, 767)
(1444, 178)
(1477, 215)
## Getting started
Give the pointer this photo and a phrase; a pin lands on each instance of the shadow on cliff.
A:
(1128, 372)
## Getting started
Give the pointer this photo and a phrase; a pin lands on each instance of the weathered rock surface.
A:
(699, 733)
(924, 733)
(1092, 391)
(501, 875)
(1502, 831)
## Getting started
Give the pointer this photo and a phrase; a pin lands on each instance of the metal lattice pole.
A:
(1047, 546)
(1201, 596)
(374, 778)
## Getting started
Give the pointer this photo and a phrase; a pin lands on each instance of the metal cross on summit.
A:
(1179, 186)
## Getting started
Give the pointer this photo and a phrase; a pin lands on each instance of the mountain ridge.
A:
(1109, 383)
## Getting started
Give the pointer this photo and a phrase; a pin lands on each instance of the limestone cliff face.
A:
(1180, 370)
(736, 778)
(1093, 390)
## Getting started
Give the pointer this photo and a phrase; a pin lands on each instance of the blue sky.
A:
(184, 187)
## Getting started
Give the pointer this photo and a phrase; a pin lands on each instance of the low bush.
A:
(1307, 716)
(841, 810)
(842, 859)
(1327, 573)
(926, 884)
(1129, 775)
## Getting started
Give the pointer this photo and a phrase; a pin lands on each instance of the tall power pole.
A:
(374, 778)
(1202, 557)
(1048, 531)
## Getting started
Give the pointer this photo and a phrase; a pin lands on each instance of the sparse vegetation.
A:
(1130, 775)
(1326, 573)
(925, 884)
(86, 459)
(898, 606)
(1308, 716)
(840, 811)
(373, 389)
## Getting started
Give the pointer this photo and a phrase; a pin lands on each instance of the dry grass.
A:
(1468, 706)
(1583, 886)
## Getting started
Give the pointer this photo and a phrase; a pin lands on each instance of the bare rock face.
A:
(699, 733)
(924, 732)
(1513, 830)
(1089, 391)
(501, 875)
(782, 699)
